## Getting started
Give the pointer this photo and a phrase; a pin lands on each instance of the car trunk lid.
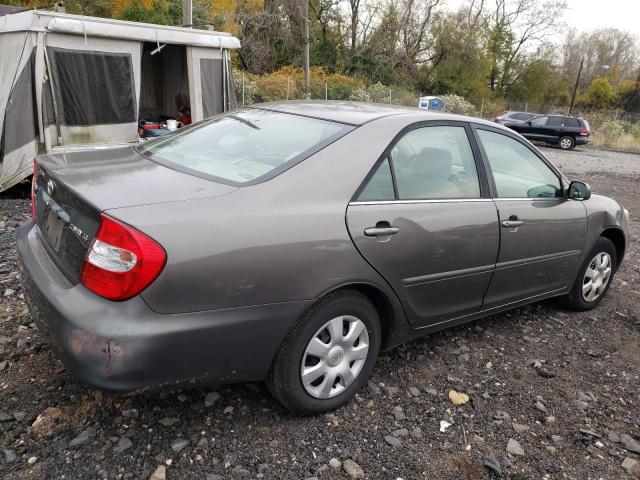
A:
(72, 189)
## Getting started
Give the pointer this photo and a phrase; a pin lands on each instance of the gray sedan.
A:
(293, 241)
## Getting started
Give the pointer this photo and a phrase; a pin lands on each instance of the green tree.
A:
(600, 94)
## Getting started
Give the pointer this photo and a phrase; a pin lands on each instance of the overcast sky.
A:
(592, 14)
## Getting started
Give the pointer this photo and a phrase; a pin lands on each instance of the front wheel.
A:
(326, 358)
(566, 143)
(594, 278)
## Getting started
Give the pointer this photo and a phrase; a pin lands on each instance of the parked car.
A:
(514, 117)
(566, 132)
(293, 241)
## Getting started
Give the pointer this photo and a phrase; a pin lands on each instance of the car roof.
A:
(359, 113)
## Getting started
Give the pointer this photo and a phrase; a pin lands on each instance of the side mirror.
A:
(529, 123)
(579, 191)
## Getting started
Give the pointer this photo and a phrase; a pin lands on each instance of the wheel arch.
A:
(617, 237)
(390, 311)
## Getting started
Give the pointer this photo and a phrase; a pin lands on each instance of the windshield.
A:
(245, 145)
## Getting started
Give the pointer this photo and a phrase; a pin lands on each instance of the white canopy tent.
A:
(75, 82)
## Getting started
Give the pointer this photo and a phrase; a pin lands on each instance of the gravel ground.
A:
(553, 394)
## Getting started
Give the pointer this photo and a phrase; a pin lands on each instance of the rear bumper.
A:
(125, 346)
(582, 140)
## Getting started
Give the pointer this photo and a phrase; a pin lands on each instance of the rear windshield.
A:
(245, 146)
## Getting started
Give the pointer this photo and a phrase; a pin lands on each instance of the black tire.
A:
(575, 300)
(284, 380)
(567, 143)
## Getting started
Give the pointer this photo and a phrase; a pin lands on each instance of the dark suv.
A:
(566, 132)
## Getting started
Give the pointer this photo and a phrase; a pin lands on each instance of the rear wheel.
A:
(594, 278)
(328, 355)
(566, 143)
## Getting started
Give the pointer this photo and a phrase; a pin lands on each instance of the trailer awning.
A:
(142, 32)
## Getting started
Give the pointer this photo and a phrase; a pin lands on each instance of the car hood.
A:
(121, 177)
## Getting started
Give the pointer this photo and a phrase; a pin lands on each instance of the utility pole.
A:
(187, 13)
(307, 75)
(575, 89)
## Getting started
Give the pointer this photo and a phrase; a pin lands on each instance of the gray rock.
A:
(398, 414)
(5, 417)
(9, 455)
(353, 469)
(329, 417)
(629, 443)
(239, 472)
(130, 413)
(179, 444)
(22, 342)
(502, 416)
(123, 444)
(519, 428)
(631, 466)
(168, 421)
(414, 391)
(416, 433)
(402, 432)
(431, 391)
(3, 365)
(19, 416)
(591, 433)
(492, 464)
(86, 435)
(556, 438)
(613, 437)
(393, 441)
(373, 388)
(335, 463)
(541, 406)
(514, 447)
(580, 404)
(211, 399)
(583, 397)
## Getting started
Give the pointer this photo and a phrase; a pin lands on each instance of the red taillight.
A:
(497, 119)
(34, 180)
(121, 261)
(584, 132)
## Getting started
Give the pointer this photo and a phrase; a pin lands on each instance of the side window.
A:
(517, 171)
(572, 122)
(554, 121)
(539, 121)
(380, 186)
(435, 162)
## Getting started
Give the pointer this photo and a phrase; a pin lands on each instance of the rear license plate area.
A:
(52, 230)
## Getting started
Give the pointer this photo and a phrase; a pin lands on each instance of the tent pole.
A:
(56, 113)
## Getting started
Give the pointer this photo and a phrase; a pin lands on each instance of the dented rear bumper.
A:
(125, 346)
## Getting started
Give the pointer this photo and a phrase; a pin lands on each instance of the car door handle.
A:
(380, 231)
(511, 223)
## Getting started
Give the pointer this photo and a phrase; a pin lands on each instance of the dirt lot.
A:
(564, 386)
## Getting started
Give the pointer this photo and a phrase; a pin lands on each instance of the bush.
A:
(458, 104)
(360, 95)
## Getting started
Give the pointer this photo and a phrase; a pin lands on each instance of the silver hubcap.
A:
(334, 356)
(565, 143)
(596, 277)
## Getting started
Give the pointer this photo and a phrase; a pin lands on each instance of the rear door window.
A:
(244, 146)
(554, 122)
(572, 122)
(539, 121)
